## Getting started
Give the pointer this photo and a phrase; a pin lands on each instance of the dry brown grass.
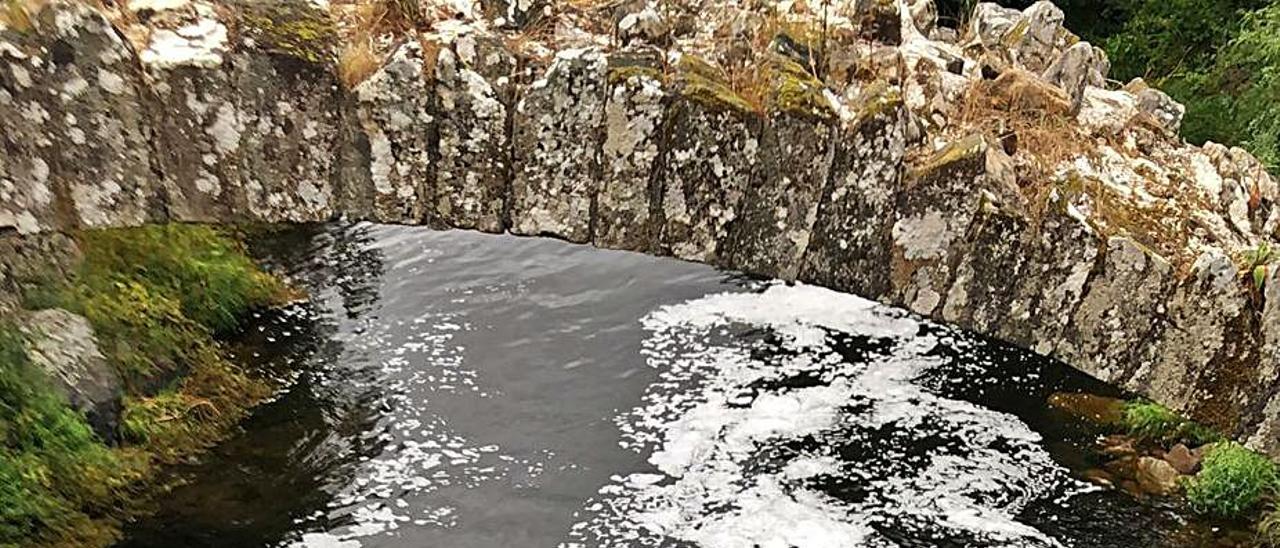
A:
(17, 14)
(1026, 114)
(357, 62)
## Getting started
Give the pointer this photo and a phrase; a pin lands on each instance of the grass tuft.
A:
(1232, 481)
(1154, 422)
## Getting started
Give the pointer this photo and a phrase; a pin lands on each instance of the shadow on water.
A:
(296, 450)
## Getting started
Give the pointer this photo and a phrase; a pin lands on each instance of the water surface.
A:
(460, 390)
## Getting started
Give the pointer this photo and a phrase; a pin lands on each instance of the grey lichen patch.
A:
(702, 82)
(293, 28)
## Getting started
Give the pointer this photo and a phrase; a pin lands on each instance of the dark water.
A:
(453, 389)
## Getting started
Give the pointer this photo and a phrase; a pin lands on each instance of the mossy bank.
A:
(114, 369)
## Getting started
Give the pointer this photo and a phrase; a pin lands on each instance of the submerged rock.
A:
(1093, 408)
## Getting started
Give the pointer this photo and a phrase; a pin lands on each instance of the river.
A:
(455, 389)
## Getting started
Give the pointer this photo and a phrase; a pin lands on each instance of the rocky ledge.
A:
(989, 177)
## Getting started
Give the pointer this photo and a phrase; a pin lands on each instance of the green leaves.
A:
(1232, 481)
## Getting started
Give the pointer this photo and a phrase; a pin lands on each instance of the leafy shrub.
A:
(1232, 480)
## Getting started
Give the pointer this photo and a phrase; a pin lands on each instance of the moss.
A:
(1151, 421)
(294, 28)
(54, 473)
(706, 84)
(155, 297)
(877, 99)
(795, 91)
(1232, 481)
(1015, 33)
(966, 149)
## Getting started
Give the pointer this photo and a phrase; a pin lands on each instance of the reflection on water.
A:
(466, 390)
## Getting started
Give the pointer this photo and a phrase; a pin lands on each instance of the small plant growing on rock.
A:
(1257, 262)
(1232, 481)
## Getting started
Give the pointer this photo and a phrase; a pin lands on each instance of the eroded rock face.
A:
(474, 155)
(851, 241)
(395, 112)
(75, 124)
(252, 117)
(711, 148)
(1200, 360)
(62, 345)
(558, 137)
(1120, 313)
(634, 118)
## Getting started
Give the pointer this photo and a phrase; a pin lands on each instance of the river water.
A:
(458, 390)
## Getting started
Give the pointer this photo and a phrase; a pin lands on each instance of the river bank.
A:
(113, 369)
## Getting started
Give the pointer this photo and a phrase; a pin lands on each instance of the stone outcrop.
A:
(991, 178)
(63, 346)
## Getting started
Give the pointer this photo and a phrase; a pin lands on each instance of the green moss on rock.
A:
(968, 149)
(795, 91)
(293, 28)
(704, 83)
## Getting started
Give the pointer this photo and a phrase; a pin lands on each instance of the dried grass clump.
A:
(17, 14)
(1026, 113)
(358, 61)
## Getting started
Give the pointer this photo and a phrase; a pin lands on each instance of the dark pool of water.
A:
(458, 390)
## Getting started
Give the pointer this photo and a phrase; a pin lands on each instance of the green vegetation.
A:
(1151, 421)
(1257, 261)
(155, 296)
(54, 473)
(1232, 481)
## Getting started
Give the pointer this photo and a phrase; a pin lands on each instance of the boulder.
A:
(1120, 312)
(251, 110)
(1160, 110)
(473, 155)
(771, 235)
(1037, 38)
(559, 133)
(934, 211)
(1184, 460)
(1155, 476)
(850, 246)
(63, 345)
(988, 24)
(73, 125)
(394, 109)
(710, 151)
(924, 14)
(1203, 364)
(1081, 65)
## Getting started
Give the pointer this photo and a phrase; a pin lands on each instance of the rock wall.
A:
(909, 172)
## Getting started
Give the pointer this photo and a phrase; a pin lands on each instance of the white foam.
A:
(709, 423)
